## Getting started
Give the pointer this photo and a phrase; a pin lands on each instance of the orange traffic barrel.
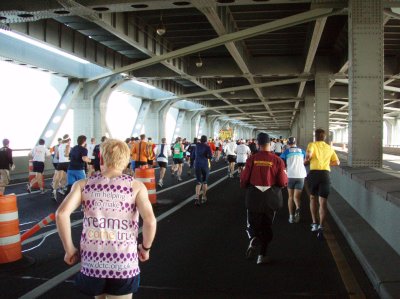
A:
(147, 177)
(32, 175)
(10, 240)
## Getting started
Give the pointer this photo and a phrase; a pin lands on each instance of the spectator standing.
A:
(6, 164)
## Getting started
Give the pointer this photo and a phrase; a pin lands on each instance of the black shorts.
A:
(319, 183)
(150, 162)
(241, 164)
(55, 166)
(94, 286)
(63, 166)
(139, 163)
(38, 166)
(178, 161)
(231, 158)
(162, 164)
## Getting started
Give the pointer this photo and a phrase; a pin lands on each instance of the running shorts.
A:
(162, 164)
(296, 183)
(38, 166)
(231, 158)
(319, 183)
(94, 286)
(178, 161)
(63, 166)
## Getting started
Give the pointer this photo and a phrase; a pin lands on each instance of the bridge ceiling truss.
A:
(245, 47)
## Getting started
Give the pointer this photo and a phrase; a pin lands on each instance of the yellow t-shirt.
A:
(322, 154)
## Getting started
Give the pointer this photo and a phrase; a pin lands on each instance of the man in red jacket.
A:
(263, 177)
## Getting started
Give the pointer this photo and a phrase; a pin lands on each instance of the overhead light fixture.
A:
(219, 81)
(161, 27)
(199, 62)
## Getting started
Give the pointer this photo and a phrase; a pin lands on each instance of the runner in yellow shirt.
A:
(321, 156)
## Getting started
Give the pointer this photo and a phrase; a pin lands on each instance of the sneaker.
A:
(231, 176)
(28, 188)
(160, 183)
(203, 199)
(297, 216)
(179, 179)
(42, 191)
(196, 202)
(61, 191)
(314, 227)
(291, 219)
(253, 248)
(262, 259)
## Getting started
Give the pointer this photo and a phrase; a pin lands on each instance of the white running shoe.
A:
(291, 219)
(160, 183)
(314, 227)
(261, 259)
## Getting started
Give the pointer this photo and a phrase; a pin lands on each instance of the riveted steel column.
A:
(365, 83)
(309, 119)
(322, 97)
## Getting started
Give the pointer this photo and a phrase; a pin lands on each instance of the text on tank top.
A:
(108, 244)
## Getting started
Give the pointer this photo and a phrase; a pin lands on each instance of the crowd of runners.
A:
(261, 164)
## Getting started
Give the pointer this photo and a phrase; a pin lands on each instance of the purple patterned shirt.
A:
(110, 228)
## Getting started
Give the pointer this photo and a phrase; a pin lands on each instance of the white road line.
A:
(53, 282)
(38, 237)
(24, 183)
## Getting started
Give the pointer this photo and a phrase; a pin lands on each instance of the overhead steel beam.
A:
(312, 50)
(387, 88)
(258, 112)
(243, 105)
(238, 88)
(231, 37)
(223, 23)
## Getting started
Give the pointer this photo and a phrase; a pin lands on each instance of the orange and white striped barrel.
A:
(147, 177)
(10, 240)
(32, 176)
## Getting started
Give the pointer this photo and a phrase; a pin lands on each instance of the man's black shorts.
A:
(38, 166)
(162, 164)
(231, 158)
(319, 183)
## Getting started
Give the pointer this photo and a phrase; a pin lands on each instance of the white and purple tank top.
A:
(110, 228)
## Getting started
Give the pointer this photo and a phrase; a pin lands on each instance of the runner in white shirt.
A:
(278, 147)
(243, 152)
(60, 181)
(230, 149)
(294, 158)
(162, 152)
(38, 155)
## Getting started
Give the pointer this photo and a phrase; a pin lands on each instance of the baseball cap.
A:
(263, 139)
(291, 140)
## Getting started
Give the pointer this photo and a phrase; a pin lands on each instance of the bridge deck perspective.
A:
(199, 251)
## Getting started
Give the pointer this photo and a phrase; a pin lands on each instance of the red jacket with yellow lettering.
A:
(264, 169)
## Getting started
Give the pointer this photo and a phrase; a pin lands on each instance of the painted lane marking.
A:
(350, 282)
